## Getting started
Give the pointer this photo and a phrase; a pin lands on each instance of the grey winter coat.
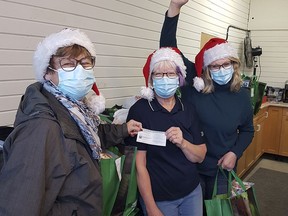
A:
(48, 168)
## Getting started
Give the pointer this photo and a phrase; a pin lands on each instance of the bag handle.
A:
(120, 202)
(229, 179)
(237, 179)
(216, 180)
(215, 185)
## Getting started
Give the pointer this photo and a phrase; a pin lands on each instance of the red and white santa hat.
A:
(214, 49)
(162, 54)
(49, 47)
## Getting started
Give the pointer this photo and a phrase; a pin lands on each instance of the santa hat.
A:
(49, 47)
(162, 54)
(214, 49)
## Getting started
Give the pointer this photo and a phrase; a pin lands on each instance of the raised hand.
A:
(175, 6)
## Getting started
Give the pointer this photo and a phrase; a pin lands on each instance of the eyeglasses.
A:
(216, 67)
(69, 64)
(170, 75)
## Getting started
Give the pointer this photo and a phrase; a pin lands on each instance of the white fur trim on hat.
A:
(162, 54)
(95, 102)
(168, 54)
(219, 51)
(52, 43)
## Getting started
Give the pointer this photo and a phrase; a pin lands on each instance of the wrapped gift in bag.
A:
(239, 201)
(118, 171)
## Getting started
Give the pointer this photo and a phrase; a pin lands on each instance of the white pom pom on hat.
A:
(214, 49)
(49, 46)
(162, 54)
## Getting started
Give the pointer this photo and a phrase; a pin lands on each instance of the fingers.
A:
(175, 6)
(220, 161)
(134, 127)
(174, 135)
(227, 162)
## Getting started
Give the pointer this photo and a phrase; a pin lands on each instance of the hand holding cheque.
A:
(152, 137)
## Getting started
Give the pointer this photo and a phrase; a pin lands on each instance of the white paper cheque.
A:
(152, 137)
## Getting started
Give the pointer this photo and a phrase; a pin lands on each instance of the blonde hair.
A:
(236, 78)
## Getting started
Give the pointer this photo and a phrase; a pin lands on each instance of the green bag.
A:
(120, 194)
(242, 203)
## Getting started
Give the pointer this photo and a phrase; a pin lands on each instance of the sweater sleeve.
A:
(245, 130)
(168, 39)
(168, 32)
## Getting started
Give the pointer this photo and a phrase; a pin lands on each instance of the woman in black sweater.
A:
(223, 106)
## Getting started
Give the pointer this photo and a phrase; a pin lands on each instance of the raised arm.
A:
(168, 35)
(169, 28)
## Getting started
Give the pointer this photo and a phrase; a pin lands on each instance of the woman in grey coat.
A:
(51, 157)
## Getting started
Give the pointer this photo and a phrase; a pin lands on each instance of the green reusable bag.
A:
(126, 201)
(237, 202)
(120, 193)
(110, 179)
(219, 204)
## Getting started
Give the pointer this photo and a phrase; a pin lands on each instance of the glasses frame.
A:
(167, 75)
(226, 65)
(93, 58)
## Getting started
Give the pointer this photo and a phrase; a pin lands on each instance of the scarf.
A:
(82, 115)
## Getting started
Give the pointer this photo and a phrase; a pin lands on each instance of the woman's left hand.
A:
(228, 161)
(174, 135)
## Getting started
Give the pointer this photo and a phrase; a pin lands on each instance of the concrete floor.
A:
(270, 162)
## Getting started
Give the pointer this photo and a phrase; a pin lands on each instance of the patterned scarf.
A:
(83, 116)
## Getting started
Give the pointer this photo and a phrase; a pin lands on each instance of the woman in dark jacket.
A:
(51, 157)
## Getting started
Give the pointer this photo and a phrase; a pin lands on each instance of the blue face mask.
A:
(222, 76)
(165, 87)
(77, 83)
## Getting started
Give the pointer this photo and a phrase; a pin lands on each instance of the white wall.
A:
(268, 23)
(123, 31)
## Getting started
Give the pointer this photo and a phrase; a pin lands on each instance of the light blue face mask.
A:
(77, 83)
(165, 87)
(222, 76)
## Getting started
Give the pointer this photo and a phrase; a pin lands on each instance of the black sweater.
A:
(226, 117)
